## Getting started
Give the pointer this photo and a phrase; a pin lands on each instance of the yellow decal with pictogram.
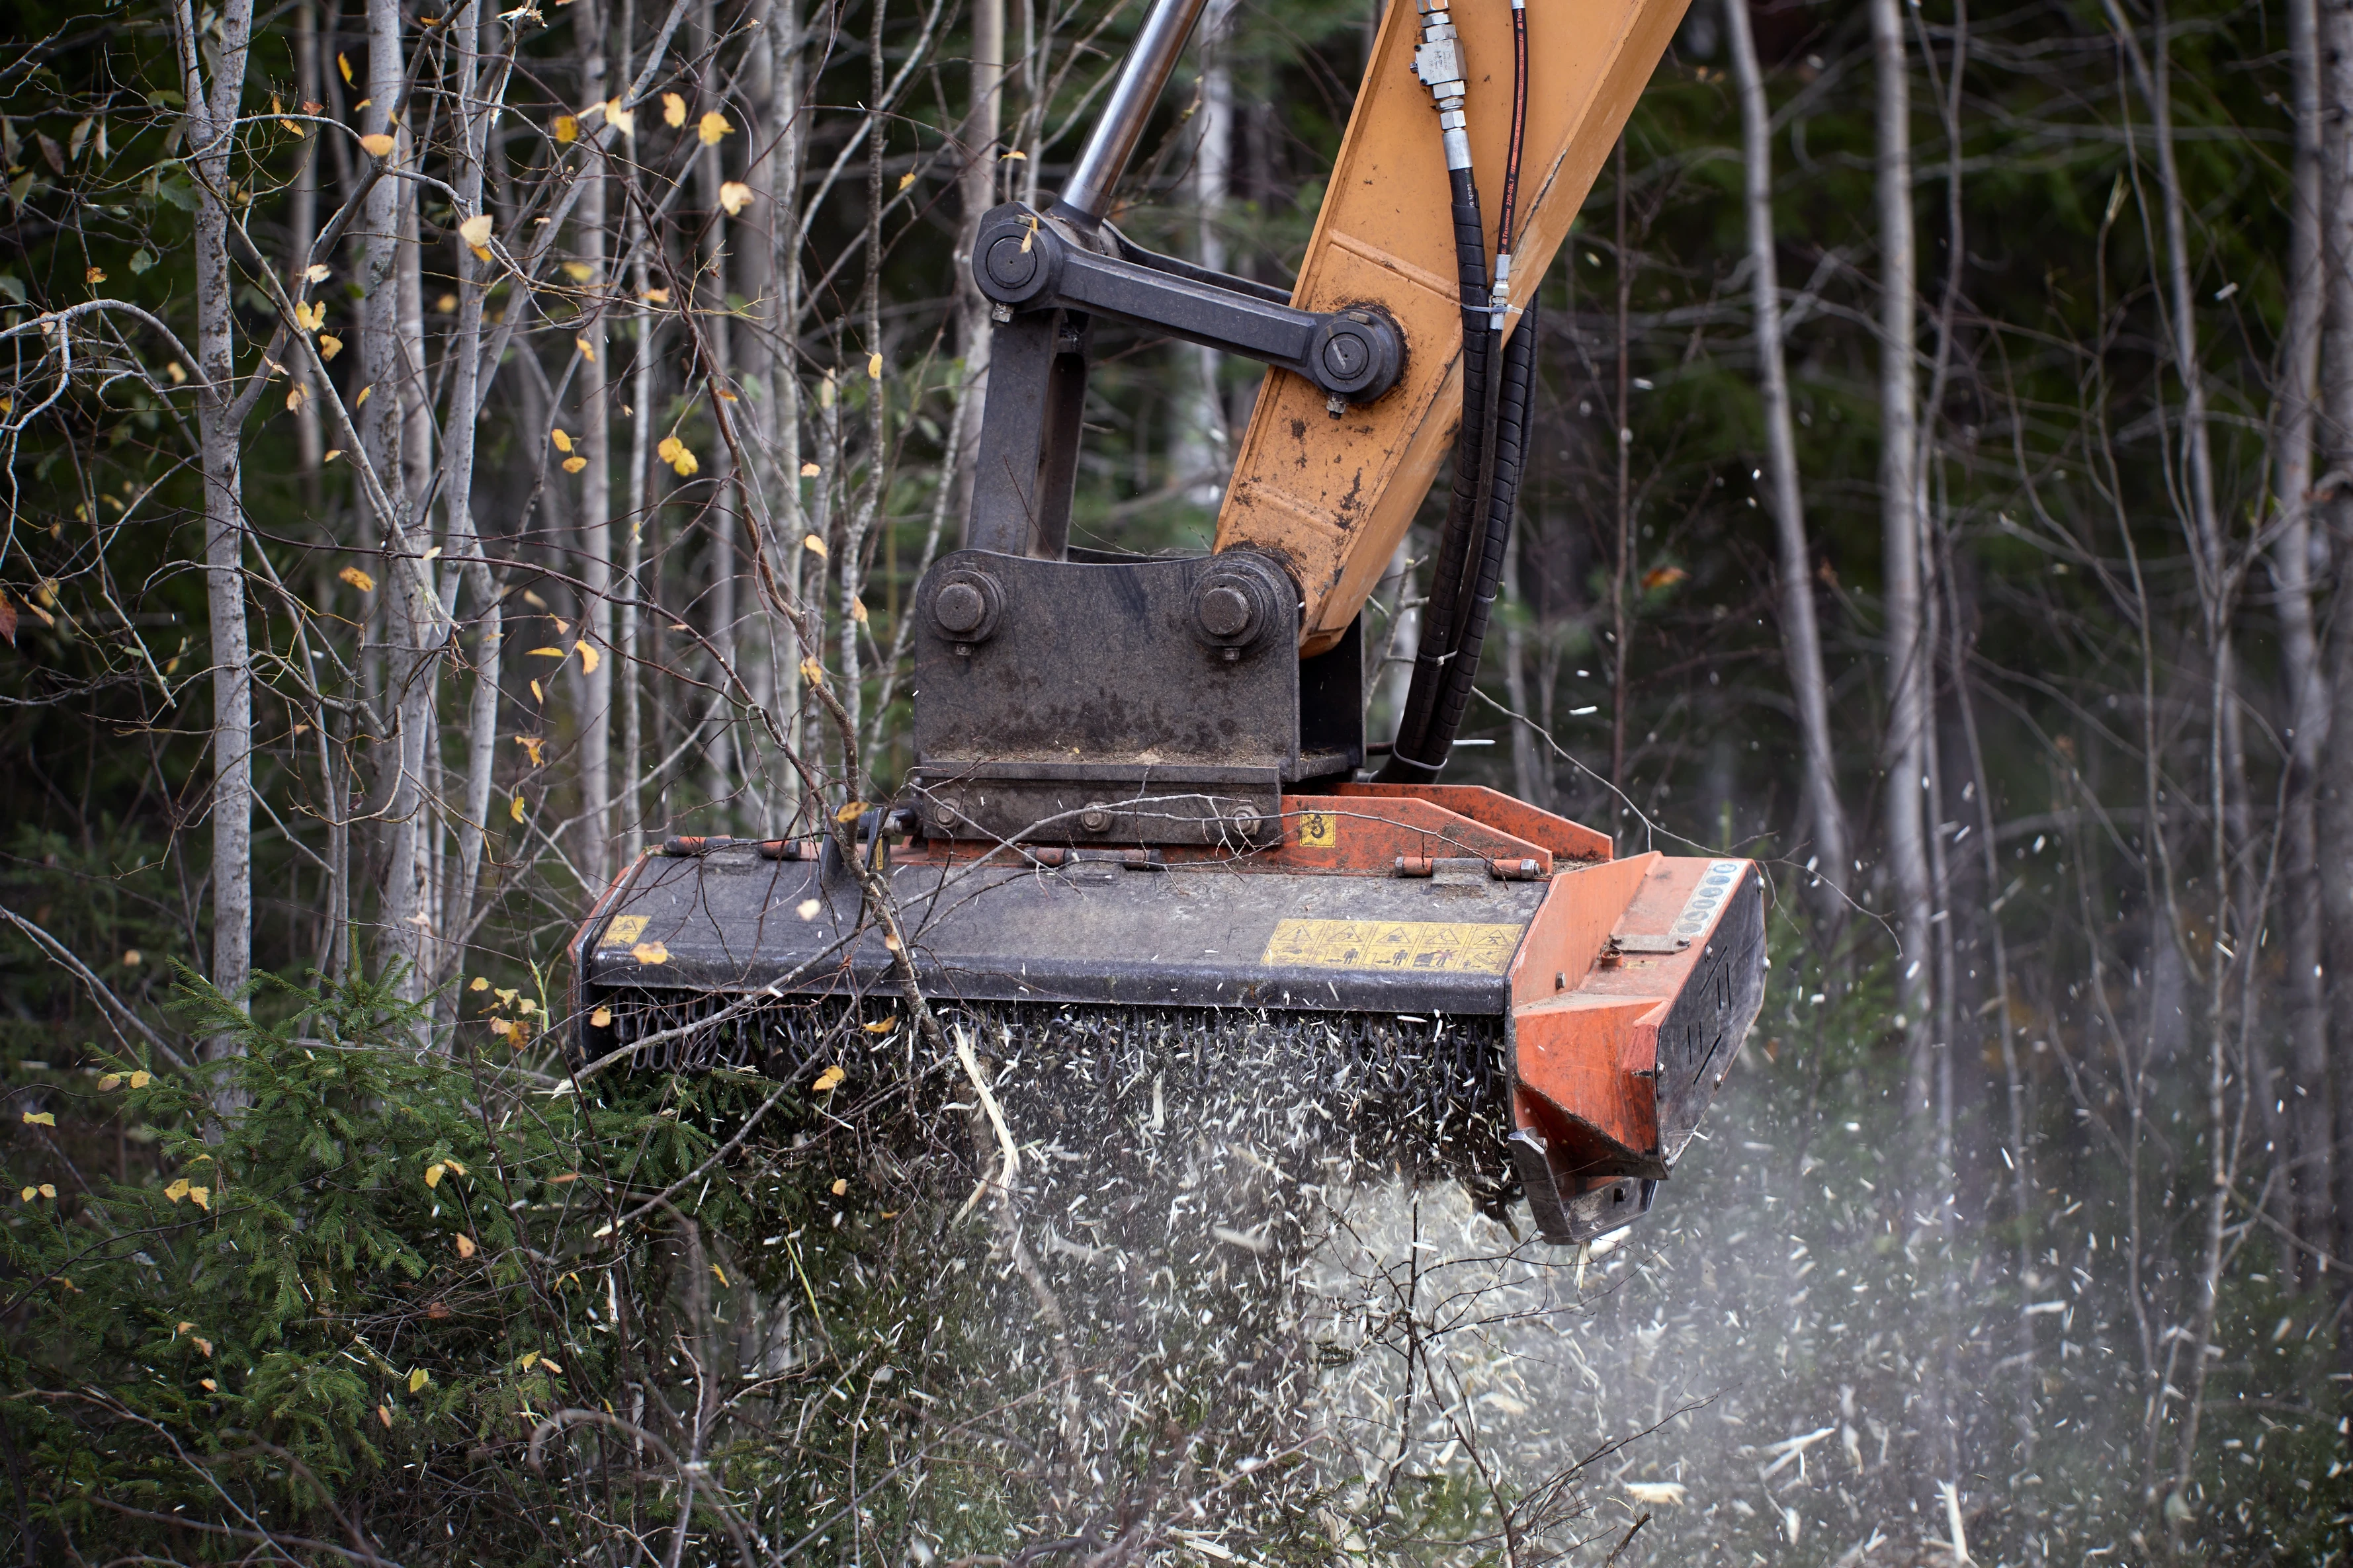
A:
(1318, 830)
(624, 930)
(1413, 945)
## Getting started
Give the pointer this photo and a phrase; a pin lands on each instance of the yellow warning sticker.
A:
(624, 930)
(1318, 830)
(1419, 945)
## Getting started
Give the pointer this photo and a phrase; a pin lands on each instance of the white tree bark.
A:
(595, 568)
(1801, 639)
(404, 910)
(2310, 1160)
(1203, 455)
(1902, 516)
(212, 112)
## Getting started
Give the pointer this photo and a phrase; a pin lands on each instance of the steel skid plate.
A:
(1614, 993)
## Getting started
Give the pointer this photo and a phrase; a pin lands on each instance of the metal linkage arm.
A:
(1022, 261)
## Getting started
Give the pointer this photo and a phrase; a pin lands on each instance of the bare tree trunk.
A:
(1900, 509)
(302, 227)
(404, 910)
(1203, 454)
(2309, 1160)
(595, 568)
(211, 113)
(633, 593)
(723, 514)
(466, 562)
(1800, 636)
(978, 194)
(1531, 763)
(785, 382)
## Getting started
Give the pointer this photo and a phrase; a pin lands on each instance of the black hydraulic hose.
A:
(1495, 413)
(1514, 433)
(1411, 757)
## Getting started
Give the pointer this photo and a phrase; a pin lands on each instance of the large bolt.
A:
(1244, 822)
(1096, 817)
(1225, 612)
(1011, 263)
(959, 607)
(945, 810)
(1344, 355)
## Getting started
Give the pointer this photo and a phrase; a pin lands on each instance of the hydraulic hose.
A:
(1412, 758)
(1489, 443)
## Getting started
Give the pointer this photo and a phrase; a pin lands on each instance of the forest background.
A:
(449, 450)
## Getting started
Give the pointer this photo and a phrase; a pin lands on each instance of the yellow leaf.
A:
(28, 1194)
(623, 121)
(673, 109)
(562, 441)
(536, 694)
(177, 1190)
(94, 276)
(650, 953)
(858, 609)
(810, 471)
(721, 1272)
(465, 1245)
(453, 1165)
(113, 1080)
(384, 1413)
(209, 1386)
(344, 66)
(357, 579)
(840, 1185)
(587, 350)
(531, 744)
(141, 1078)
(476, 230)
(734, 195)
(656, 296)
(330, 345)
(567, 129)
(378, 145)
(294, 396)
(130, 955)
(201, 1343)
(578, 271)
(828, 1081)
(40, 1119)
(481, 982)
(481, 253)
(318, 272)
(574, 465)
(544, 653)
(551, 1366)
(849, 811)
(814, 545)
(589, 657)
(685, 462)
(874, 367)
(1662, 577)
(714, 128)
(906, 179)
(813, 672)
(528, 1358)
(1017, 152)
(203, 1198)
(667, 448)
(365, 393)
(47, 1190)
(807, 909)
(880, 1026)
(433, 1175)
(514, 811)
(418, 1379)
(602, 1019)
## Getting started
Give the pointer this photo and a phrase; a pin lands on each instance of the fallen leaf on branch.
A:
(734, 196)
(377, 146)
(714, 128)
(476, 230)
(465, 1245)
(828, 1081)
(673, 109)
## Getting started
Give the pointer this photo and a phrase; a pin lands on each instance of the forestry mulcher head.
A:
(1137, 817)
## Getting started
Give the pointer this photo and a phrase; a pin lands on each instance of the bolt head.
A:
(1009, 265)
(1244, 821)
(1225, 612)
(1344, 355)
(1096, 817)
(959, 607)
